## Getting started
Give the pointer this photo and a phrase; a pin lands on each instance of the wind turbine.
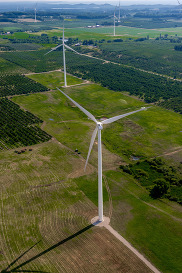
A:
(115, 20)
(35, 13)
(119, 13)
(35, 20)
(114, 25)
(98, 129)
(64, 59)
(179, 5)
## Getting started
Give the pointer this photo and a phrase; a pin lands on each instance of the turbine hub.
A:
(100, 127)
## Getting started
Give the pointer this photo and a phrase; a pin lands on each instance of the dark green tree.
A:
(160, 188)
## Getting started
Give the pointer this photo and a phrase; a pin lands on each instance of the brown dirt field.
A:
(71, 244)
(29, 20)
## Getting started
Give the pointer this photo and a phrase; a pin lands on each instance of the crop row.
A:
(19, 127)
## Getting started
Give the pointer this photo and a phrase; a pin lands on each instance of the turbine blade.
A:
(80, 107)
(91, 145)
(68, 47)
(110, 120)
(53, 49)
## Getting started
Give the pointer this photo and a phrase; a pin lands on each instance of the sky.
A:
(124, 2)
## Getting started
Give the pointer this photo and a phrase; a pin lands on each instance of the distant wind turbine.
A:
(119, 13)
(35, 20)
(179, 5)
(35, 13)
(115, 21)
(114, 25)
(99, 127)
(64, 59)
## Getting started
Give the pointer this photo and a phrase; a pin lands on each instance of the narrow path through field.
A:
(129, 66)
(177, 150)
(105, 224)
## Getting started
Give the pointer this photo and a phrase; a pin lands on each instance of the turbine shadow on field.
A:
(43, 252)
(6, 269)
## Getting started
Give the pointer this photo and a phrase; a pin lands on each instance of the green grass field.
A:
(107, 32)
(54, 79)
(150, 129)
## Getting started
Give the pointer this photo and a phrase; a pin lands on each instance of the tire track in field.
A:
(146, 203)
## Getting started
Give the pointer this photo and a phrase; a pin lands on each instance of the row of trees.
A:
(174, 104)
(43, 39)
(19, 84)
(178, 47)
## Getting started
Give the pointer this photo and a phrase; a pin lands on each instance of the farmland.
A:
(18, 84)
(17, 127)
(107, 32)
(47, 200)
(149, 87)
(151, 55)
(128, 198)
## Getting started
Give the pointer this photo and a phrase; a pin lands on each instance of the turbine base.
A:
(96, 222)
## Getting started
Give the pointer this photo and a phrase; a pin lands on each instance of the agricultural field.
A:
(47, 227)
(75, 191)
(47, 200)
(156, 139)
(151, 55)
(18, 84)
(54, 79)
(18, 127)
(107, 32)
(35, 61)
(147, 86)
(9, 68)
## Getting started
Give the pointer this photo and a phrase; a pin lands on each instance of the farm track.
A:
(177, 150)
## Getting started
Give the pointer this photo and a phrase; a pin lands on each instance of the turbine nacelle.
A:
(99, 125)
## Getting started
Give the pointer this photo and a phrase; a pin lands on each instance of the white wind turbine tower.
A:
(64, 59)
(115, 21)
(114, 25)
(35, 13)
(119, 13)
(99, 127)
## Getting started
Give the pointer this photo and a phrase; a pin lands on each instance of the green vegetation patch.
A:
(19, 127)
(9, 68)
(146, 134)
(54, 79)
(161, 178)
(173, 104)
(66, 122)
(151, 55)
